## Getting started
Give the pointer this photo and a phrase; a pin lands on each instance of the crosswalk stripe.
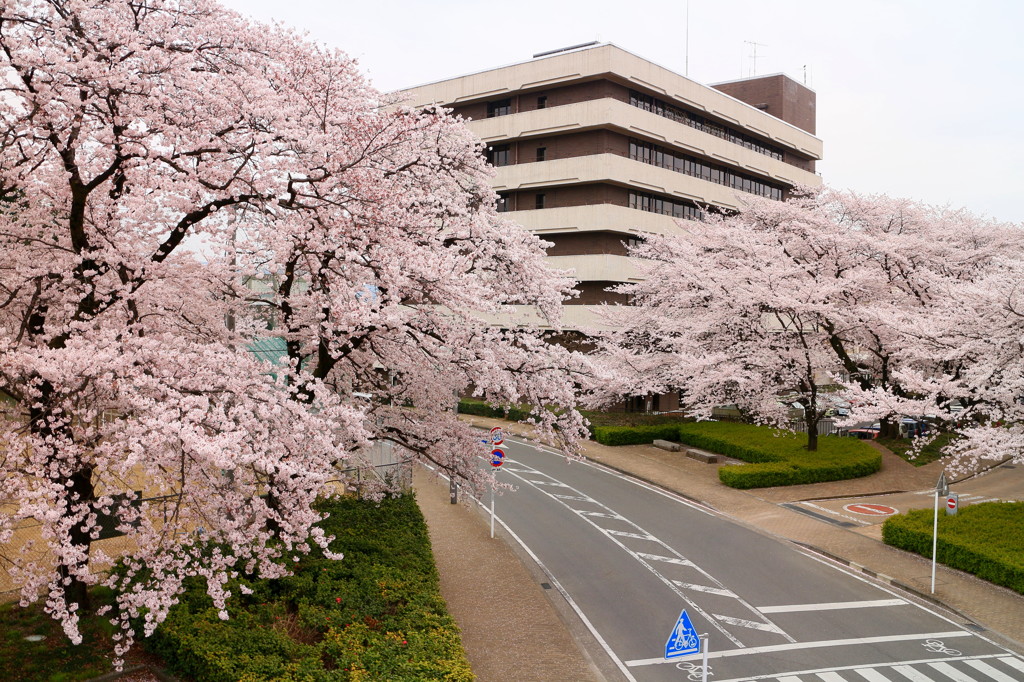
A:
(872, 675)
(951, 672)
(983, 667)
(831, 677)
(911, 674)
(789, 678)
(1013, 662)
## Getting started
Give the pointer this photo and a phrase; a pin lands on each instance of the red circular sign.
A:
(951, 503)
(497, 457)
(870, 509)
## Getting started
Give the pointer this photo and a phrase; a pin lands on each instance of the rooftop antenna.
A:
(753, 55)
(686, 68)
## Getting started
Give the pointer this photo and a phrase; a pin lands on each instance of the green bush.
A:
(780, 457)
(634, 435)
(984, 539)
(776, 457)
(375, 615)
(481, 409)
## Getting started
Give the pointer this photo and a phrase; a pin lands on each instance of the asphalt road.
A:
(1003, 483)
(629, 558)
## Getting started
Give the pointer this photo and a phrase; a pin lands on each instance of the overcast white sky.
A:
(916, 98)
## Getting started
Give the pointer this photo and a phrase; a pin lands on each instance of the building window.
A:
(661, 108)
(542, 102)
(541, 153)
(655, 204)
(647, 152)
(501, 107)
(539, 203)
(498, 155)
(503, 203)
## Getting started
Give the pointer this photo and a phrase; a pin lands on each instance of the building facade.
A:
(595, 147)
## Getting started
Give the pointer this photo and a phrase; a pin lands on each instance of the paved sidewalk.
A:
(973, 601)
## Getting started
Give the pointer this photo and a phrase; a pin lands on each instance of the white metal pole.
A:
(935, 538)
(494, 483)
(704, 674)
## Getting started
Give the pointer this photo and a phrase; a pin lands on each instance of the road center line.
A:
(810, 645)
(832, 606)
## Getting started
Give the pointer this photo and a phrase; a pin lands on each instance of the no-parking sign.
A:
(497, 457)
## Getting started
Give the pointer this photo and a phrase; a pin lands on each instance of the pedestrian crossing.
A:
(996, 668)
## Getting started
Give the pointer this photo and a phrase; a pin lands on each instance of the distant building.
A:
(596, 147)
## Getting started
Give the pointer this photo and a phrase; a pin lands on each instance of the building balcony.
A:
(614, 63)
(618, 170)
(635, 122)
(597, 267)
(593, 218)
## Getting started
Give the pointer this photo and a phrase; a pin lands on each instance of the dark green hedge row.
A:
(375, 615)
(776, 457)
(481, 409)
(634, 435)
(985, 539)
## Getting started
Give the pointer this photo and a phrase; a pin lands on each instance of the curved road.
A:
(629, 558)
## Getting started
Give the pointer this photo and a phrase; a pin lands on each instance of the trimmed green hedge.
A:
(375, 615)
(776, 457)
(481, 409)
(984, 539)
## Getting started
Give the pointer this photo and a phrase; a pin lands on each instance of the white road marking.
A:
(753, 625)
(911, 674)
(601, 515)
(666, 559)
(951, 672)
(614, 536)
(575, 498)
(832, 606)
(789, 678)
(795, 646)
(985, 668)
(872, 675)
(831, 677)
(902, 668)
(835, 513)
(704, 588)
(1013, 663)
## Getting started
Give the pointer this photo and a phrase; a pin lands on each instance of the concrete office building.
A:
(596, 147)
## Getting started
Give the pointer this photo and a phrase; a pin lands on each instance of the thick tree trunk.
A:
(888, 429)
(811, 420)
(80, 490)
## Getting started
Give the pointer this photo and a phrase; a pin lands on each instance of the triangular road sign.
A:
(684, 639)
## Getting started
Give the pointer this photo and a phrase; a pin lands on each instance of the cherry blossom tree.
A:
(171, 177)
(826, 289)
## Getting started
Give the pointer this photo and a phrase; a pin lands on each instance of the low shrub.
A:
(634, 435)
(481, 409)
(984, 539)
(375, 615)
(780, 457)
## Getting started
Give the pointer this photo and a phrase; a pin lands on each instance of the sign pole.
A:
(704, 673)
(941, 488)
(494, 482)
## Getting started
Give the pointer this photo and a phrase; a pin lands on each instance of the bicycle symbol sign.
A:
(684, 640)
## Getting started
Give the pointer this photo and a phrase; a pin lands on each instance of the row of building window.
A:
(662, 108)
(688, 165)
(656, 204)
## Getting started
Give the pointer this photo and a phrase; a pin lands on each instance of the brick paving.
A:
(972, 600)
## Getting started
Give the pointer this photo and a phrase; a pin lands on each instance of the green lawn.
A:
(904, 447)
